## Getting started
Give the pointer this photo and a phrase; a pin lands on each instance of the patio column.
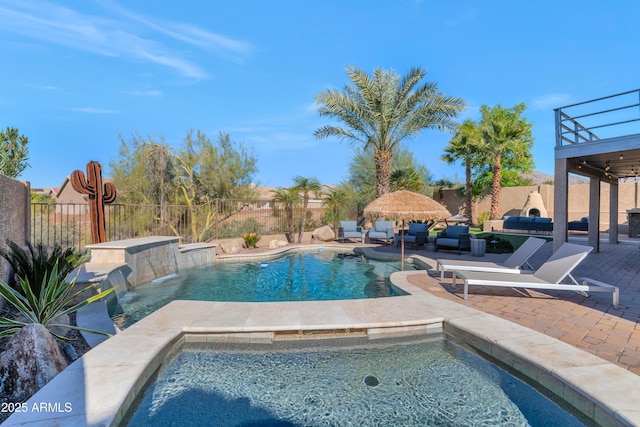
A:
(613, 212)
(560, 203)
(594, 213)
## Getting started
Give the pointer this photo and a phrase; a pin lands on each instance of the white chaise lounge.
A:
(518, 260)
(548, 276)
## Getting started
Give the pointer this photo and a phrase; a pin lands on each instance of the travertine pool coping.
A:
(97, 389)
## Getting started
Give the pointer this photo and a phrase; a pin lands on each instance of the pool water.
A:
(426, 383)
(298, 277)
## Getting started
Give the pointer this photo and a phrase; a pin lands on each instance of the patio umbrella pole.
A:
(402, 244)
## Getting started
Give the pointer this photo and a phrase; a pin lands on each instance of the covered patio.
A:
(597, 139)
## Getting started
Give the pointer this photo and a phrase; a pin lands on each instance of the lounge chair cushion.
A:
(414, 228)
(348, 226)
(383, 226)
(454, 231)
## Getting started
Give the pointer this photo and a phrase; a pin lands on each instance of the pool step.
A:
(319, 334)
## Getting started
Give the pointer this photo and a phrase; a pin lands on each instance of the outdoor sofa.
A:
(528, 223)
(581, 225)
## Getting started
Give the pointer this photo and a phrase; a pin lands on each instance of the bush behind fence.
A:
(69, 224)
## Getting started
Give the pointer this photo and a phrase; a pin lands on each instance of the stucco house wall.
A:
(70, 201)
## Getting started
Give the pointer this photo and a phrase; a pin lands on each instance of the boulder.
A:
(323, 234)
(30, 360)
(62, 319)
(275, 244)
(231, 246)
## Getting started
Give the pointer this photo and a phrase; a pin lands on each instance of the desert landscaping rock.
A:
(324, 234)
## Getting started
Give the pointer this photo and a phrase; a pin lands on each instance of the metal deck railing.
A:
(611, 116)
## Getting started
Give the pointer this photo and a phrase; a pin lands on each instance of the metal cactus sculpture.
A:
(98, 193)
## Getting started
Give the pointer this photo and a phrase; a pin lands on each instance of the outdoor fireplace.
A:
(534, 206)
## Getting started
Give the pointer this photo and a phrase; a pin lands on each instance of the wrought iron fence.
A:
(69, 224)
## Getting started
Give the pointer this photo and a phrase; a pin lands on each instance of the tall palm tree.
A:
(306, 186)
(381, 110)
(506, 136)
(466, 146)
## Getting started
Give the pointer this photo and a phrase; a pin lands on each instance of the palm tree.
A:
(306, 186)
(289, 199)
(406, 179)
(334, 201)
(380, 111)
(506, 137)
(466, 146)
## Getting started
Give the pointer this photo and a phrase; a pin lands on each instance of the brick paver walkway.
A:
(590, 323)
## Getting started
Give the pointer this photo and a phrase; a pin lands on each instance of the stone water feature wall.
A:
(149, 258)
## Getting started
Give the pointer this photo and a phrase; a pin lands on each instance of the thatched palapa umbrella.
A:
(406, 205)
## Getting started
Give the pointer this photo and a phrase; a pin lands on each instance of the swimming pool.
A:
(425, 382)
(315, 276)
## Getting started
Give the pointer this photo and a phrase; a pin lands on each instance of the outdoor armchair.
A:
(349, 230)
(416, 235)
(382, 230)
(454, 237)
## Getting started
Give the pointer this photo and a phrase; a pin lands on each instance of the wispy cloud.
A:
(553, 100)
(120, 34)
(48, 88)
(149, 93)
(92, 110)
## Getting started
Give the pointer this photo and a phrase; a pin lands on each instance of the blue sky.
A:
(75, 75)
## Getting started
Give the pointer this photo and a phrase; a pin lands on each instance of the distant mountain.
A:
(540, 178)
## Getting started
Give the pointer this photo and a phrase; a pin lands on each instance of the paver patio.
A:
(590, 323)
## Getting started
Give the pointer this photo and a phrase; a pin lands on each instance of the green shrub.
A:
(35, 263)
(482, 217)
(501, 246)
(238, 228)
(251, 239)
(55, 299)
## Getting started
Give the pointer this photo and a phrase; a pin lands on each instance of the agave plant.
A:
(35, 262)
(251, 239)
(55, 299)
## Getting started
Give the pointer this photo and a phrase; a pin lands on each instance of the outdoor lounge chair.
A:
(518, 260)
(349, 230)
(548, 276)
(383, 230)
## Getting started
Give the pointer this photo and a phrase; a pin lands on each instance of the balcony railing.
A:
(609, 116)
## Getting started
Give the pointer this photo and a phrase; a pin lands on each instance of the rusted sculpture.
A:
(98, 193)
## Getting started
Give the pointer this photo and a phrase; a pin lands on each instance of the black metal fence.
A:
(70, 225)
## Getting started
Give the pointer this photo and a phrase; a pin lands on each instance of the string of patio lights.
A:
(633, 176)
